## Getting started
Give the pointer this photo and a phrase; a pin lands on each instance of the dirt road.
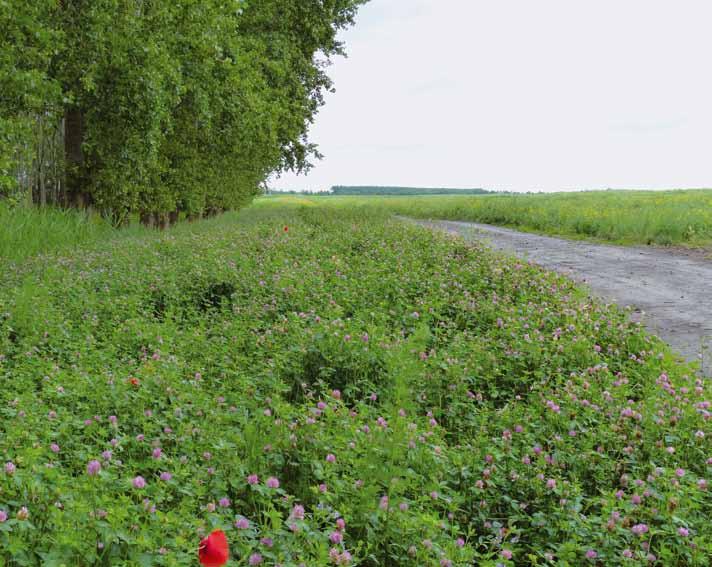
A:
(671, 289)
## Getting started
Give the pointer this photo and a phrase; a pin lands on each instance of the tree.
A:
(170, 106)
(28, 95)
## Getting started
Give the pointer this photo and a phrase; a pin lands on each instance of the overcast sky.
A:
(520, 95)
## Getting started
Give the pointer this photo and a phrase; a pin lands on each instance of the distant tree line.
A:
(269, 191)
(162, 108)
(375, 190)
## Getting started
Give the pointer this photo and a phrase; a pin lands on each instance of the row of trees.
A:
(160, 107)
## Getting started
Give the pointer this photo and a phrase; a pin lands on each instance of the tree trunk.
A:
(162, 220)
(76, 187)
(43, 153)
(43, 188)
(147, 219)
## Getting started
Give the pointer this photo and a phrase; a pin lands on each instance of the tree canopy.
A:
(165, 106)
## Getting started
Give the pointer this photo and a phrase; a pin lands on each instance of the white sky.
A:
(520, 95)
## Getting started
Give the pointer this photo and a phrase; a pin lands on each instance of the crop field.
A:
(330, 386)
(627, 217)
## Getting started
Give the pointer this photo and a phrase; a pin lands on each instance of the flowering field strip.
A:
(627, 217)
(330, 387)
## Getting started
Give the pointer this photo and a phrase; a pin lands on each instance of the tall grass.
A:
(26, 231)
(29, 231)
(628, 217)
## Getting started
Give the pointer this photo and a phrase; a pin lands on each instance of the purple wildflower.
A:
(93, 468)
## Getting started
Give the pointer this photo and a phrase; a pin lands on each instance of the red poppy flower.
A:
(214, 550)
(286, 229)
(134, 381)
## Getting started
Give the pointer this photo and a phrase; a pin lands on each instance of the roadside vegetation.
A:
(26, 231)
(330, 386)
(664, 218)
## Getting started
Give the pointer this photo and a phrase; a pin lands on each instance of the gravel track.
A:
(670, 290)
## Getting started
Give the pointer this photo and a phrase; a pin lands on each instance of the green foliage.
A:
(27, 44)
(171, 105)
(485, 406)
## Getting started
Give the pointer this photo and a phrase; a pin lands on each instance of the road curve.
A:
(672, 290)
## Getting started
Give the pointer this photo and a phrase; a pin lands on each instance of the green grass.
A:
(449, 405)
(26, 231)
(626, 217)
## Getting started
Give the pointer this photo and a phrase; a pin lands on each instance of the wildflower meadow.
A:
(318, 385)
